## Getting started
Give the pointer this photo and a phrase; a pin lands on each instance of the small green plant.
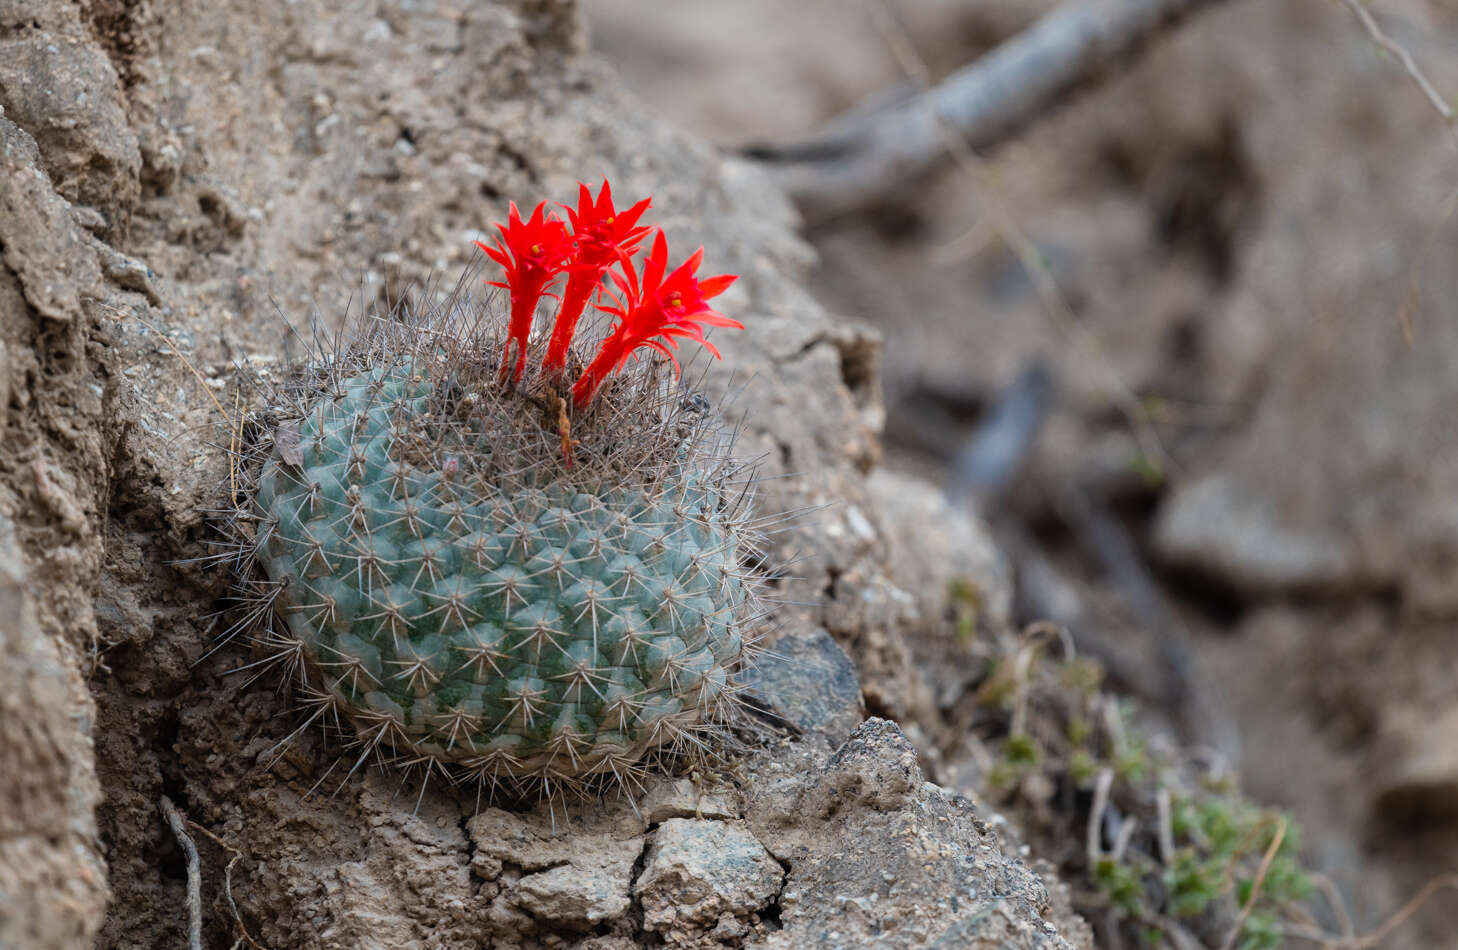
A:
(1188, 853)
(1193, 880)
(1020, 751)
(966, 601)
(1120, 883)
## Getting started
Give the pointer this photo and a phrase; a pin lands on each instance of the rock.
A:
(1228, 528)
(703, 875)
(63, 90)
(875, 768)
(891, 861)
(934, 546)
(1420, 782)
(684, 799)
(38, 238)
(580, 892)
(52, 878)
(579, 878)
(807, 681)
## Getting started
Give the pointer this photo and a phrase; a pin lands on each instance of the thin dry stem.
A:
(1255, 888)
(1414, 72)
(237, 856)
(1093, 844)
(1166, 825)
(194, 874)
(872, 154)
(1446, 881)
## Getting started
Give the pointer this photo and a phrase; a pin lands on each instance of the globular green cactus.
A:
(478, 570)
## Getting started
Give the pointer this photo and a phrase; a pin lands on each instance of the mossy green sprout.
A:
(479, 570)
(1164, 850)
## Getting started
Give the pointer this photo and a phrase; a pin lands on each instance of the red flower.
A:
(654, 313)
(604, 237)
(532, 253)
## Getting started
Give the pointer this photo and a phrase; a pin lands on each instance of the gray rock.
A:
(933, 545)
(701, 874)
(53, 884)
(1231, 528)
(581, 892)
(880, 858)
(685, 799)
(808, 682)
(66, 93)
(574, 878)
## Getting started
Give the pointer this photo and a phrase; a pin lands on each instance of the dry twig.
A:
(1093, 844)
(1374, 939)
(1166, 825)
(1395, 48)
(1255, 888)
(866, 156)
(951, 142)
(194, 875)
(236, 856)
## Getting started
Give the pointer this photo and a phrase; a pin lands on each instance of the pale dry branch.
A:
(1370, 941)
(235, 857)
(1419, 78)
(869, 155)
(194, 874)
(1093, 844)
(1166, 825)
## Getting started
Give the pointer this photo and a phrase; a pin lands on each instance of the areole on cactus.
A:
(467, 584)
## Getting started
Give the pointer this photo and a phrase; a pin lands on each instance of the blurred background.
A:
(1209, 301)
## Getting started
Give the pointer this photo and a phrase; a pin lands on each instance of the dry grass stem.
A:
(194, 875)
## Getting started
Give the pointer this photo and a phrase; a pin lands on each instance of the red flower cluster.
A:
(653, 311)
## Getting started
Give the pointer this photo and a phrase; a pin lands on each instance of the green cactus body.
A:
(462, 608)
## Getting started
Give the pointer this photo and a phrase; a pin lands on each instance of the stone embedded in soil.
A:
(569, 877)
(1420, 782)
(933, 546)
(699, 873)
(683, 798)
(876, 767)
(581, 891)
(66, 93)
(879, 857)
(807, 681)
(1221, 527)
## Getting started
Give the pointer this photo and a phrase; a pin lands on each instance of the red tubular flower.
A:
(532, 253)
(604, 237)
(654, 313)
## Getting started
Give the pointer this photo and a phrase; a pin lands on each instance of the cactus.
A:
(484, 566)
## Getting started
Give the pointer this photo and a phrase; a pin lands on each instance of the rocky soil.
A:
(178, 189)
